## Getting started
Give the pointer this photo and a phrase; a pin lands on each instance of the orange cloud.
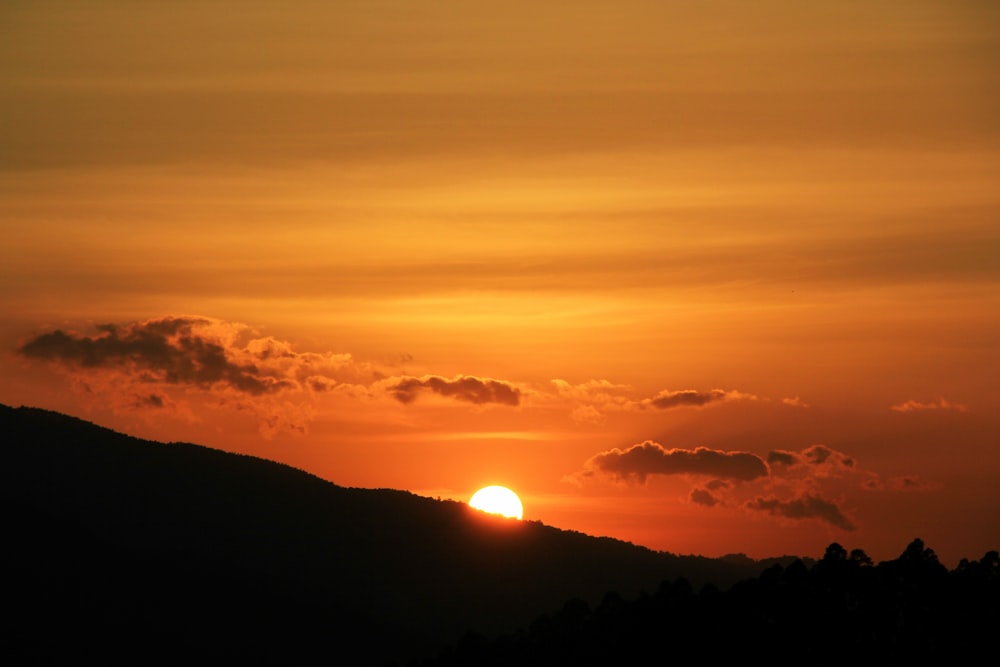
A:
(795, 402)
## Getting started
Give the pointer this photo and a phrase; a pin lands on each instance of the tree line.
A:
(842, 607)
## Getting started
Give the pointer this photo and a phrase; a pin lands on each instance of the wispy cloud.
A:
(594, 399)
(814, 455)
(795, 402)
(902, 483)
(940, 404)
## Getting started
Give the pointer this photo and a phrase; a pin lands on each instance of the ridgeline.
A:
(121, 550)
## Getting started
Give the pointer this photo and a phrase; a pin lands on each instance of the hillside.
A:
(125, 549)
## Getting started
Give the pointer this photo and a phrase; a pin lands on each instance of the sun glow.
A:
(497, 500)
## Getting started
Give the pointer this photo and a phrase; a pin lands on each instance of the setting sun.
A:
(497, 500)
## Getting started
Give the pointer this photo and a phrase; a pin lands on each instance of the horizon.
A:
(711, 280)
(492, 513)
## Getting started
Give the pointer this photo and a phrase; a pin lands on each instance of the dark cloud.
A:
(595, 398)
(155, 400)
(686, 397)
(814, 455)
(150, 401)
(170, 350)
(823, 455)
(902, 483)
(320, 384)
(805, 507)
(651, 458)
(703, 497)
(817, 454)
(778, 457)
(463, 388)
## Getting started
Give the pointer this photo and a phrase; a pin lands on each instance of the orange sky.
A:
(709, 277)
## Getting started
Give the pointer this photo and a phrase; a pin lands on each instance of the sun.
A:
(497, 500)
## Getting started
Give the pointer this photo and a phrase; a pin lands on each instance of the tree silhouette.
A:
(840, 609)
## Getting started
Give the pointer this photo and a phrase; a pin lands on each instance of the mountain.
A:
(128, 550)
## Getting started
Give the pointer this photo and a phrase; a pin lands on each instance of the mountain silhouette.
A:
(128, 550)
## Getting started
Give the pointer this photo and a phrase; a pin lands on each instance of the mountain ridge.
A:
(398, 573)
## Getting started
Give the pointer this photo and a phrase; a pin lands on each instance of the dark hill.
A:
(127, 550)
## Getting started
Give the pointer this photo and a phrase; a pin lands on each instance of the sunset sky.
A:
(709, 277)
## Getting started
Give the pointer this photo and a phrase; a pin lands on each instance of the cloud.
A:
(795, 402)
(909, 483)
(666, 400)
(805, 507)
(814, 455)
(150, 365)
(779, 457)
(167, 361)
(321, 384)
(587, 414)
(903, 483)
(595, 398)
(591, 389)
(466, 388)
(650, 458)
(941, 404)
(170, 350)
(703, 497)
(786, 485)
(154, 400)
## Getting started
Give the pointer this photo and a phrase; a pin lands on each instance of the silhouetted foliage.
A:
(841, 609)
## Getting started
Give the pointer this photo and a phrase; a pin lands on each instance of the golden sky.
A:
(710, 277)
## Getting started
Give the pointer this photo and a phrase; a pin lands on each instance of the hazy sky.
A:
(710, 277)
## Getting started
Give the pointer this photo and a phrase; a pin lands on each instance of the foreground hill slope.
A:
(124, 549)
